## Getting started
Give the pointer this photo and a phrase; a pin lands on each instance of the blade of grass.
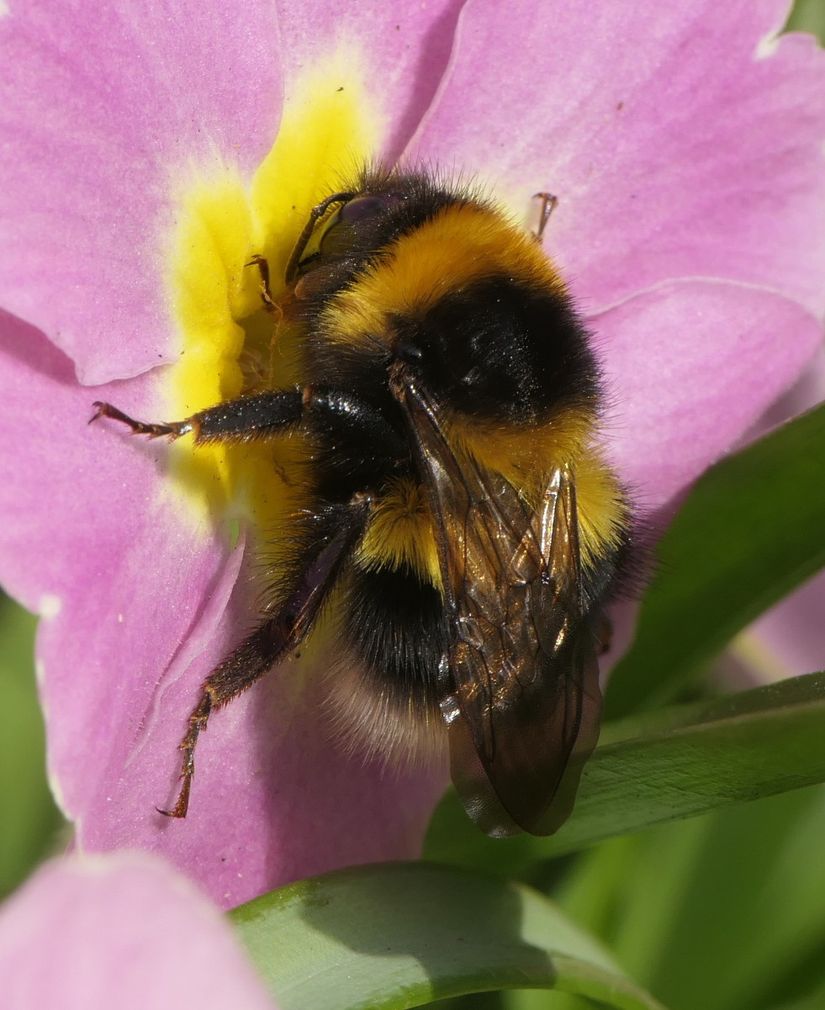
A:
(393, 936)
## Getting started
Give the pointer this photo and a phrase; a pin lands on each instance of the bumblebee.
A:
(461, 525)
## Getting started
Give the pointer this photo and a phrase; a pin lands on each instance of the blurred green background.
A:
(725, 912)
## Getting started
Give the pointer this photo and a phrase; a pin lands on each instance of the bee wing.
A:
(521, 692)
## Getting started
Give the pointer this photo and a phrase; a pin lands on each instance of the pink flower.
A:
(90, 932)
(685, 145)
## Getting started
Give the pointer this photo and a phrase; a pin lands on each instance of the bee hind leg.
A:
(232, 677)
(280, 634)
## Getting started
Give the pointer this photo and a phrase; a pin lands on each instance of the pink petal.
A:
(100, 113)
(88, 541)
(400, 52)
(689, 367)
(790, 639)
(124, 108)
(681, 140)
(685, 144)
(125, 931)
(807, 392)
(274, 798)
(135, 606)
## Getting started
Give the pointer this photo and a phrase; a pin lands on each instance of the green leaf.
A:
(29, 816)
(751, 530)
(666, 766)
(399, 935)
(534, 999)
(808, 16)
(815, 1001)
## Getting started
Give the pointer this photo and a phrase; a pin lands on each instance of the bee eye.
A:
(357, 223)
(365, 206)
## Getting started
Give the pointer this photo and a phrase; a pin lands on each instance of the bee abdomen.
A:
(385, 690)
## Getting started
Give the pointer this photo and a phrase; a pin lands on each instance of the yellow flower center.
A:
(230, 346)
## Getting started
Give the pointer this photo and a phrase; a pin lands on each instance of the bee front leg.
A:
(266, 294)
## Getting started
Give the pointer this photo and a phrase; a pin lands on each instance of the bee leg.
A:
(266, 414)
(232, 677)
(197, 722)
(173, 429)
(315, 215)
(277, 636)
(238, 420)
(548, 204)
(266, 294)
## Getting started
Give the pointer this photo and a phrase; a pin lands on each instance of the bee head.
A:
(361, 224)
